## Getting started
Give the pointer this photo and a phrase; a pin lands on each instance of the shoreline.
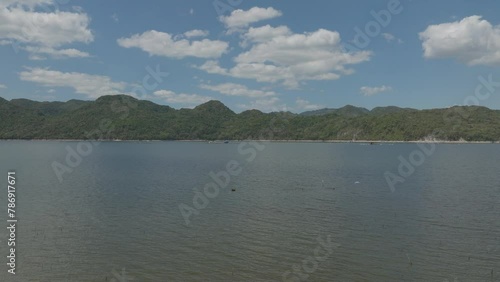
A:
(370, 142)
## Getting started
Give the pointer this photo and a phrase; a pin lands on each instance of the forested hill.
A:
(126, 118)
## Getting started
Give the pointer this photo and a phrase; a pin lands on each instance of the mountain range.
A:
(126, 118)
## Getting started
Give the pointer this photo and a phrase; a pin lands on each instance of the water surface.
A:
(119, 210)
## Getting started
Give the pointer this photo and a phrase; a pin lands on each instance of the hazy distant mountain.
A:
(124, 117)
(389, 110)
(348, 111)
(49, 108)
(352, 111)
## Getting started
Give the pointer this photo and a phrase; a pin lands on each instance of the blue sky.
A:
(268, 55)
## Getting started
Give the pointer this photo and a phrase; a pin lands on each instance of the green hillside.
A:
(126, 118)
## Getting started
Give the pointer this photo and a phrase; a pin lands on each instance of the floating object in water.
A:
(409, 260)
(357, 182)
(226, 141)
(234, 189)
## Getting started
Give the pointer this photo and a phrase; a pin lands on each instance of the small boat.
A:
(226, 141)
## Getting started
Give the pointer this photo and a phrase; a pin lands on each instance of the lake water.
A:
(116, 216)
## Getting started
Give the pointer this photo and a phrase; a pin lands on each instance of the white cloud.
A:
(389, 37)
(264, 33)
(239, 19)
(291, 58)
(196, 33)
(264, 105)
(55, 53)
(24, 26)
(3, 86)
(472, 41)
(306, 105)
(182, 98)
(48, 29)
(233, 89)
(93, 86)
(265, 73)
(212, 67)
(163, 44)
(26, 3)
(370, 91)
(36, 57)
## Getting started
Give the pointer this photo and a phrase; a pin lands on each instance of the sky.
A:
(267, 55)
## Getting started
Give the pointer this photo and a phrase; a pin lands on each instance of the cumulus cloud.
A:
(306, 105)
(24, 26)
(212, 67)
(163, 44)
(277, 55)
(55, 53)
(93, 86)
(264, 33)
(49, 29)
(182, 98)
(239, 19)
(196, 33)
(370, 91)
(233, 89)
(25, 3)
(472, 41)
